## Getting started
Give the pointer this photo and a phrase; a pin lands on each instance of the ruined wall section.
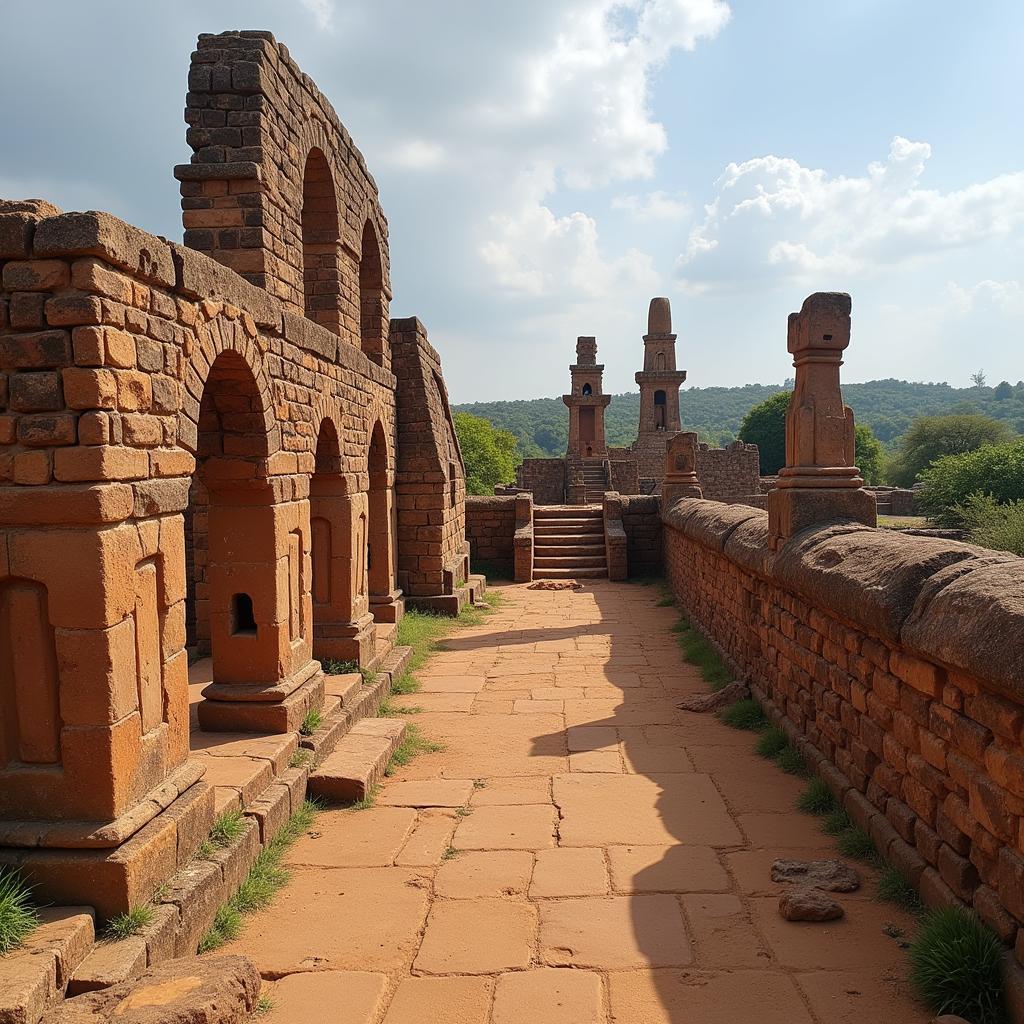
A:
(277, 190)
(896, 662)
(490, 531)
(729, 474)
(431, 480)
(107, 339)
(641, 519)
(545, 478)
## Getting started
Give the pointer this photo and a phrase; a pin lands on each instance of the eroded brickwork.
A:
(728, 474)
(889, 654)
(490, 531)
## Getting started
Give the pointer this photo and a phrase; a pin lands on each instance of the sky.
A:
(547, 166)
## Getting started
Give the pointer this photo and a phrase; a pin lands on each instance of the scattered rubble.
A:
(830, 875)
(809, 904)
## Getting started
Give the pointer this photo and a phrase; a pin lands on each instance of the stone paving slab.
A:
(580, 852)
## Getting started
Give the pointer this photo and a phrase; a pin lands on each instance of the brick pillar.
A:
(680, 470)
(259, 573)
(819, 481)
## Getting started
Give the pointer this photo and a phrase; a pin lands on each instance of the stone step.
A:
(358, 761)
(565, 527)
(569, 574)
(568, 550)
(35, 976)
(566, 512)
(576, 562)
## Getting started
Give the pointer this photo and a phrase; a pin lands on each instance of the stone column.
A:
(261, 612)
(819, 481)
(680, 470)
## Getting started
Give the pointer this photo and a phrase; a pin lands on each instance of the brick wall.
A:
(899, 661)
(728, 474)
(545, 478)
(490, 529)
(641, 519)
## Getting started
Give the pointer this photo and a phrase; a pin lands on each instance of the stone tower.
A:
(659, 380)
(587, 403)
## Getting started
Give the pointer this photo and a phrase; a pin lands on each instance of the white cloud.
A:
(1002, 296)
(773, 219)
(657, 207)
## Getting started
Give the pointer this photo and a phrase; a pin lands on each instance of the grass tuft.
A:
(697, 651)
(450, 853)
(413, 743)
(228, 827)
(334, 667)
(744, 714)
(300, 759)
(313, 720)
(367, 801)
(835, 822)
(771, 741)
(817, 798)
(791, 761)
(264, 1005)
(954, 965)
(18, 916)
(894, 888)
(855, 843)
(130, 923)
(266, 876)
(405, 683)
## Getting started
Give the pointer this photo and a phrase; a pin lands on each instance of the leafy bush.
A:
(991, 525)
(995, 469)
(954, 965)
(931, 438)
(765, 426)
(490, 455)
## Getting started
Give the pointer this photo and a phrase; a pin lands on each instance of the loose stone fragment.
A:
(809, 905)
(830, 875)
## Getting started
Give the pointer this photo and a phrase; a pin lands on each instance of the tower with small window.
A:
(586, 403)
(659, 380)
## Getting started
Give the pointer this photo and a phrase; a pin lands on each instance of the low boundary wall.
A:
(898, 663)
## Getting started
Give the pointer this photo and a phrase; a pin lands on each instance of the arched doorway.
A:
(321, 244)
(659, 410)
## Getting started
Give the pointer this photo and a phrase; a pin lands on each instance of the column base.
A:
(346, 641)
(280, 708)
(387, 607)
(792, 509)
(121, 873)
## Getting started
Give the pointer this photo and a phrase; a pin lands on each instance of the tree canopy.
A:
(490, 455)
(932, 437)
(993, 469)
(765, 426)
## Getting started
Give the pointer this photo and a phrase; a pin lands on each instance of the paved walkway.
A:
(575, 820)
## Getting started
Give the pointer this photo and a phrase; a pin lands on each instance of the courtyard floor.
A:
(580, 852)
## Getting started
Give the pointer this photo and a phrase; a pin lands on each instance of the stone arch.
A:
(321, 243)
(373, 314)
(221, 336)
(380, 539)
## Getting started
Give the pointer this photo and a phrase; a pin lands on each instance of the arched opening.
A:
(659, 361)
(380, 525)
(372, 314)
(659, 410)
(587, 390)
(321, 244)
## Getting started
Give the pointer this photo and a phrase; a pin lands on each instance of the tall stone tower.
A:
(659, 382)
(587, 404)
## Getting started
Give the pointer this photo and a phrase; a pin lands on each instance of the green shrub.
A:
(991, 525)
(744, 714)
(995, 469)
(954, 965)
(17, 914)
(771, 741)
(334, 667)
(313, 720)
(817, 798)
(894, 888)
(931, 439)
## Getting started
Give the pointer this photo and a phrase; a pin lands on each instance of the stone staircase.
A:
(595, 480)
(568, 542)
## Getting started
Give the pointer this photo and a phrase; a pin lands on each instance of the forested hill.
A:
(887, 406)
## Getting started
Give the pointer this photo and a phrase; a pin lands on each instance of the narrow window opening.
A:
(587, 390)
(243, 621)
